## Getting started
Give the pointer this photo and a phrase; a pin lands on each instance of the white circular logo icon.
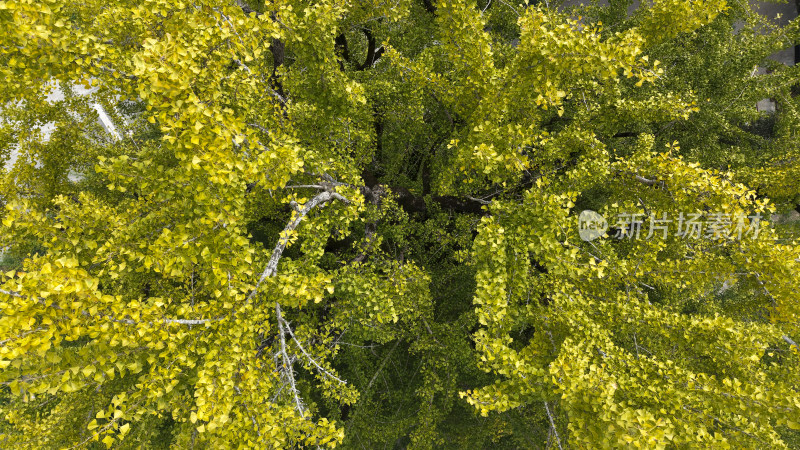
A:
(591, 225)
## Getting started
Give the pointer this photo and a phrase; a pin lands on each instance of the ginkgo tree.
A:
(354, 224)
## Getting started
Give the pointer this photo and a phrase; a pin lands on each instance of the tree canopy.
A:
(356, 224)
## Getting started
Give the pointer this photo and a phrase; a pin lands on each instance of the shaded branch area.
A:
(416, 204)
(374, 53)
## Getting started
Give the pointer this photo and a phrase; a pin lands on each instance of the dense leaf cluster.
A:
(338, 223)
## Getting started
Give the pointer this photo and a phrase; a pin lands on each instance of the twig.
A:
(553, 425)
(322, 369)
(286, 362)
(430, 331)
(175, 321)
(310, 186)
(125, 321)
(481, 201)
(13, 294)
(646, 181)
(383, 363)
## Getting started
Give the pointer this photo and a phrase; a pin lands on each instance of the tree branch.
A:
(270, 270)
(165, 321)
(125, 321)
(383, 363)
(552, 425)
(340, 44)
(246, 8)
(272, 265)
(372, 54)
(313, 361)
(287, 363)
(647, 181)
(13, 294)
(416, 204)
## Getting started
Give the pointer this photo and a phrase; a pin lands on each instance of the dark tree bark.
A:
(372, 54)
(340, 44)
